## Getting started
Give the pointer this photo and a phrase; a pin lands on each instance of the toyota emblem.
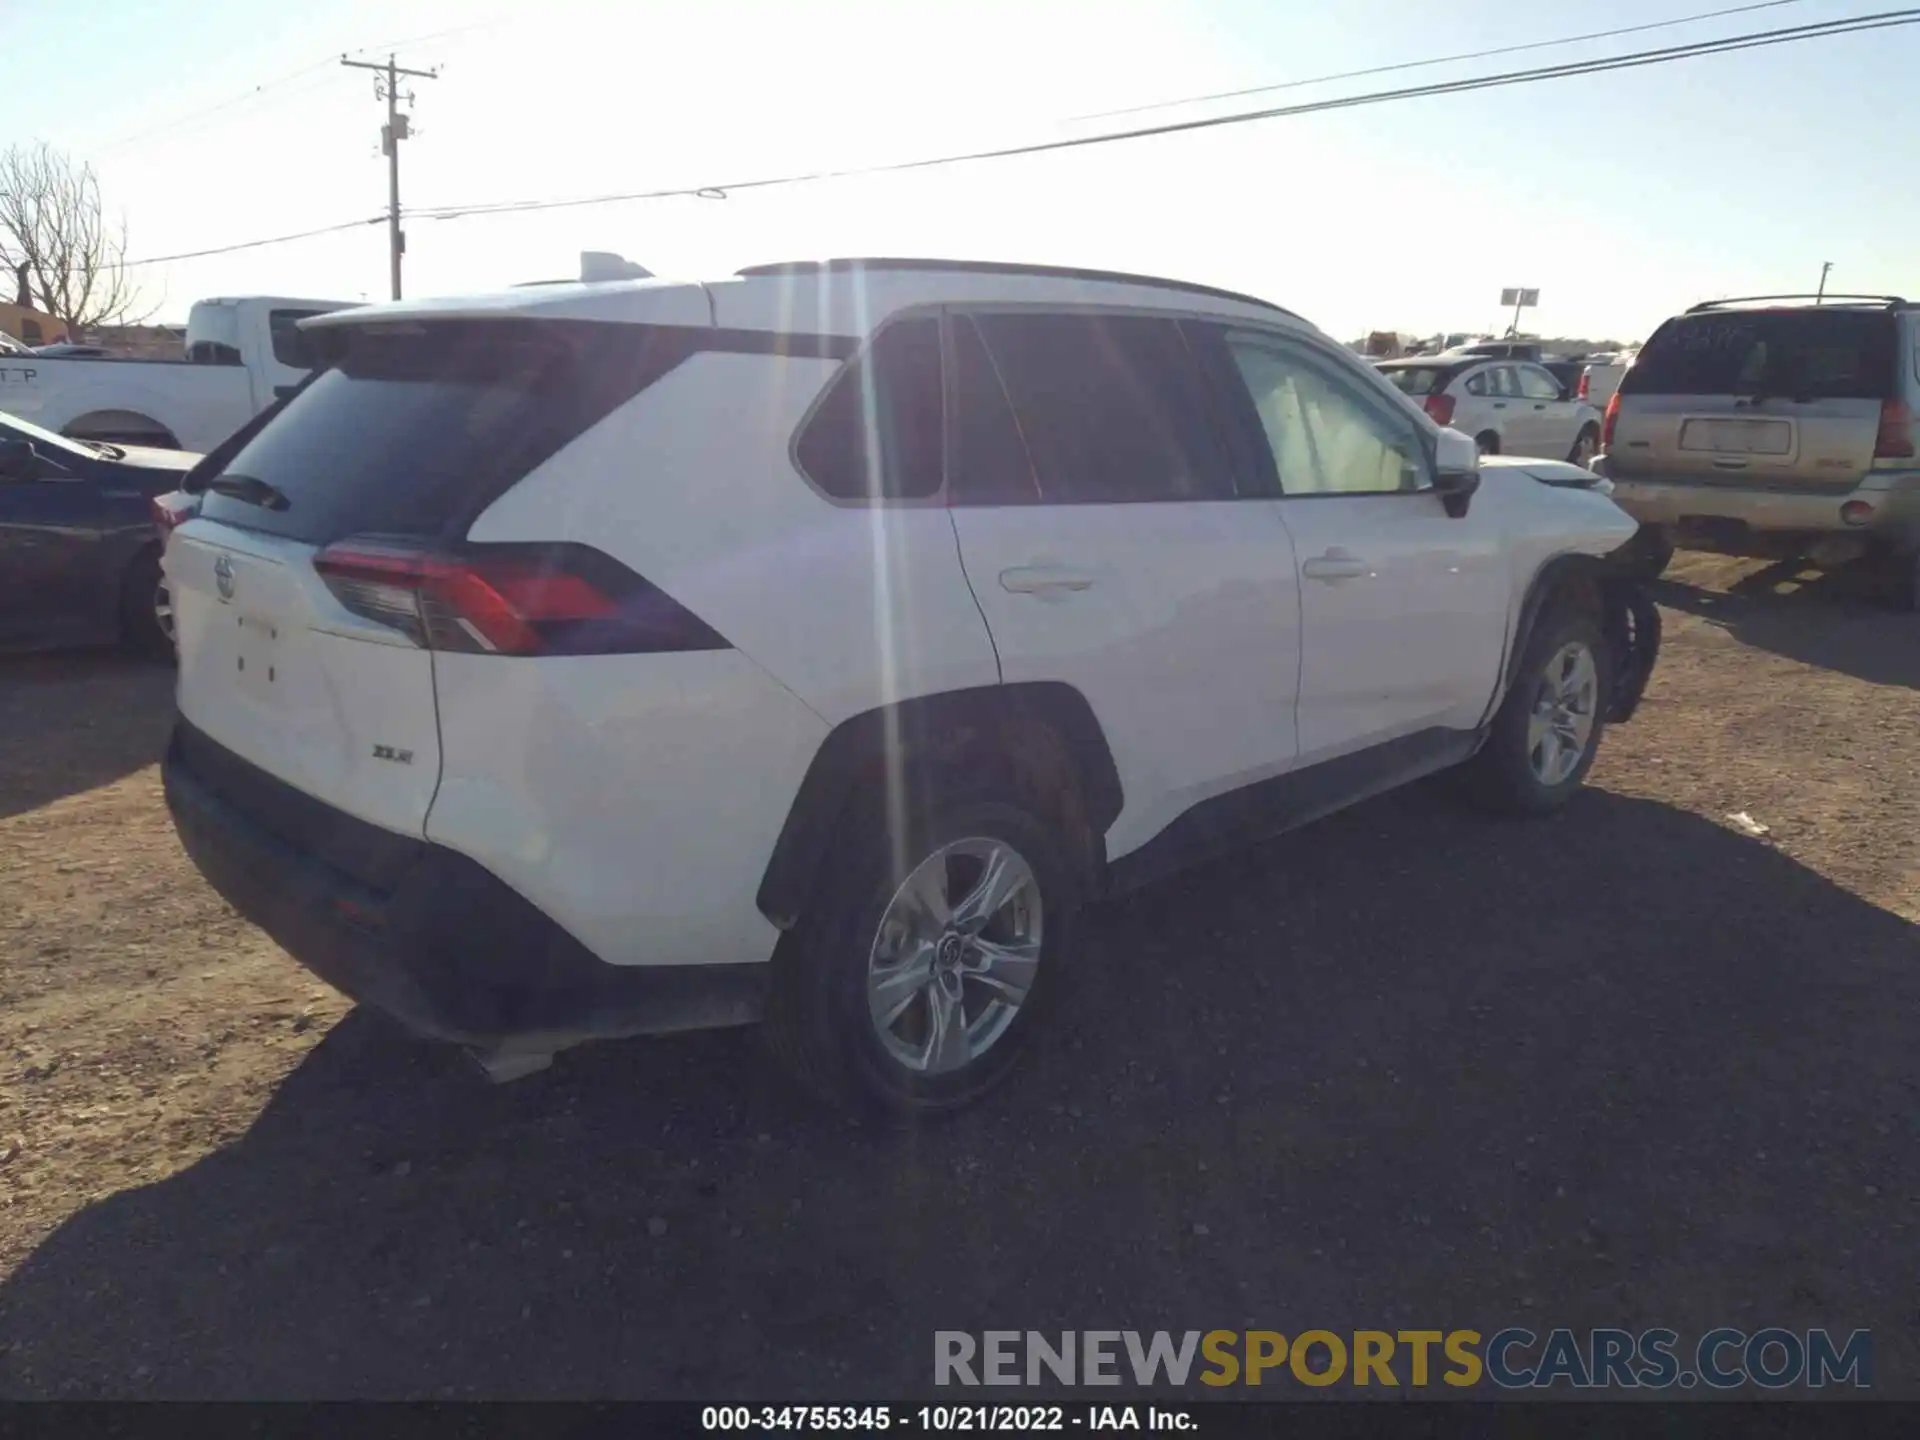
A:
(223, 577)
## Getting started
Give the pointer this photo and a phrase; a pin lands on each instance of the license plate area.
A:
(259, 658)
(1737, 437)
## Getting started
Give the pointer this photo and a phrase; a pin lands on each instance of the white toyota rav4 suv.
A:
(810, 645)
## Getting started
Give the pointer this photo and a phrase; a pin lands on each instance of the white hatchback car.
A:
(811, 644)
(1509, 407)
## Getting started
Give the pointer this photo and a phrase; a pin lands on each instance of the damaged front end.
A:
(1632, 626)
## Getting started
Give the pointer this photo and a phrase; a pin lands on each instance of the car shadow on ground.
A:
(74, 722)
(1829, 618)
(1407, 1068)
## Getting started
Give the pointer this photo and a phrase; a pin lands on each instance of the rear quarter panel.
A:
(692, 486)
(634, 798)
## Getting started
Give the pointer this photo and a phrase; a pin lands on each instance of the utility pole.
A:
(1825, 266)
(386, 86)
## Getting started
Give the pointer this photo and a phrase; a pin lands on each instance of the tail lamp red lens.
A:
(1612, 417)
(509, 599)
(174, 509)
(1585, 387)
(1895, 440)
(1440, 409)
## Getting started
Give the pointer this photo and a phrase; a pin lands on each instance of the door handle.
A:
(1499, 404)
(1039, 579)
(1541, 405)
(1334, 566)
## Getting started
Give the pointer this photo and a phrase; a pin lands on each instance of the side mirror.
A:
(18, 459)
(1456, 471)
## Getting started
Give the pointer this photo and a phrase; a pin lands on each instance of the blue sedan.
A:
(79, 550)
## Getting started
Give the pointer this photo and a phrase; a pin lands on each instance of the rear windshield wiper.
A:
(250, 490)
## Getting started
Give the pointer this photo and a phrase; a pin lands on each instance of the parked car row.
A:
(1509, 407)
(79, 552)
(541, 679)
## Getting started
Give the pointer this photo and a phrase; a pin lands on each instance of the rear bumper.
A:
(1673, 501)
(438, 943)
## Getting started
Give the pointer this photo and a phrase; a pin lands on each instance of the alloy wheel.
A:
(955, 955)
(1565, 705)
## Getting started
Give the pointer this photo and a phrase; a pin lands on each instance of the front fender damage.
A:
(1632, 624)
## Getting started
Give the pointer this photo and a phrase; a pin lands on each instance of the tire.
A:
(822, 1018)
(146, 611)
(1586, 447)
(1487, 442)
(1507, 776)
(1649, 553)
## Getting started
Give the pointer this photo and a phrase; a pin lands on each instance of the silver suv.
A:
(1777, 426)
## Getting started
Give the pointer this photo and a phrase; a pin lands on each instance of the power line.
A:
(1439, 60)
(256, 244)
(264, 88)
(1884, 20)
(1857, 24)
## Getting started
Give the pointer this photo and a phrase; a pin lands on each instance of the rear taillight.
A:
(174, 509)
(1585, 387)
(1440, 409)
(561, 599)
(1606, 425)
(1895, 440)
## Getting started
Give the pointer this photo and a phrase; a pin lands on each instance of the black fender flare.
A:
(948, 727)
(1628, 617)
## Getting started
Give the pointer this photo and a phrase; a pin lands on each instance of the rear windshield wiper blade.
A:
(250, 490)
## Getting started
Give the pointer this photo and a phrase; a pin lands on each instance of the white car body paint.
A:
(635, 798)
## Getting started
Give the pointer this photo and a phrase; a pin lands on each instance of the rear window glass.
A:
(414, 429)
(1813, 354)
(1418, 379)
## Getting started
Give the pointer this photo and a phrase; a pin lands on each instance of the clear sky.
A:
(1622, 196)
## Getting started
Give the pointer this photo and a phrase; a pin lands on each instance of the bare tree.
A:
(55, 238)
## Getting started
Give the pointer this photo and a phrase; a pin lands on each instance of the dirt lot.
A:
(1629, 1067)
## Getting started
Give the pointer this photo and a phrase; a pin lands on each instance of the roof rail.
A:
(1003, 267)
(1891, 302)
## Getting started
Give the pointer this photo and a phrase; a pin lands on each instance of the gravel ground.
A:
(1405, 1068)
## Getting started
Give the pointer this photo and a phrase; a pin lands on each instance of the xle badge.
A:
(387, 752)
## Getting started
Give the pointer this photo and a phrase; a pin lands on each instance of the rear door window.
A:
(413, 429)
(1813, 354)
(990, 461)
(1112, 408)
